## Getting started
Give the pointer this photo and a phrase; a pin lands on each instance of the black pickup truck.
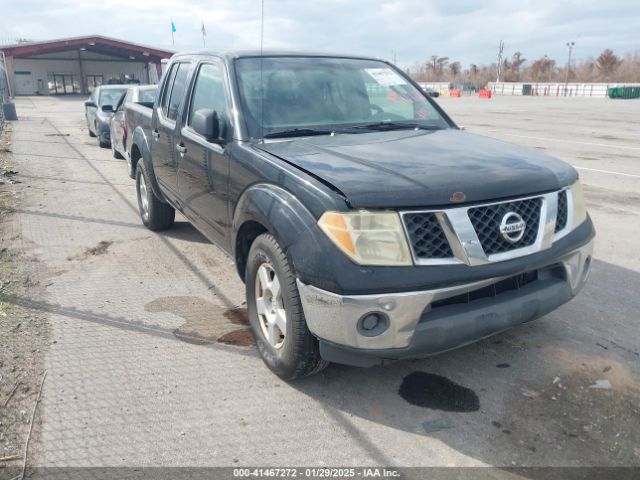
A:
(365, 224)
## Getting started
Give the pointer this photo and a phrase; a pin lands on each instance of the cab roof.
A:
(234, 54)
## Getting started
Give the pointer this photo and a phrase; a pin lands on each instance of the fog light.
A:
(373, 324)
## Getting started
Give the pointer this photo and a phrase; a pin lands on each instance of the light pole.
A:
(570, 46)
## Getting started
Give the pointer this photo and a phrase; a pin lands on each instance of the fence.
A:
(551, 89)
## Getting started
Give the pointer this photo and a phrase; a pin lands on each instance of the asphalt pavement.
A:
(150, 361)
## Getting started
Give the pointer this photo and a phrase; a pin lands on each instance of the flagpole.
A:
(204, 35)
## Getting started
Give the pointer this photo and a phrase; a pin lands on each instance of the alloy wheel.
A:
(272, 315)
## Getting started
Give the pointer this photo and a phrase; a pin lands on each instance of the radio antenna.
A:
(261, 78)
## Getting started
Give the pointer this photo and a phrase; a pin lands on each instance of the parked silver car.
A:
(99, 109)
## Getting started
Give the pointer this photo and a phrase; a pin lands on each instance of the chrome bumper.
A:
(334, 318)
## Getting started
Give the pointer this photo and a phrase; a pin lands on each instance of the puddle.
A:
(438, 393)
(205, 322)
(237, 316)
(100, 249)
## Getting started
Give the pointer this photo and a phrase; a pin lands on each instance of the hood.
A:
(423, 168)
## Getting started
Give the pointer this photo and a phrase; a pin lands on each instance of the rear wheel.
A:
(155, 214)
(91, 134)
(115, 153)
(101, 142)
(277, 320)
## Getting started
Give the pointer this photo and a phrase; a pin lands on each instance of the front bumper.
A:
(423, 322)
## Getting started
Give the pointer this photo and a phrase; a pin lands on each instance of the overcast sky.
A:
(464, 30)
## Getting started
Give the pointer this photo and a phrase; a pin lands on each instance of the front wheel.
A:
(155, 214)
(277, 320)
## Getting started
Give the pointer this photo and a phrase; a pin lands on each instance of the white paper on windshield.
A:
(385, 76)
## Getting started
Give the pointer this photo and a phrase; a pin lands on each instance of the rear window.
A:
(177, 92)
(148, 95)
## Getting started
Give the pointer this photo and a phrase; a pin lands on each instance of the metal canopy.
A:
(95, 43)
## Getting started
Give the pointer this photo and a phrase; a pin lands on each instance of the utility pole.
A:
(570, 46)
(500, 51)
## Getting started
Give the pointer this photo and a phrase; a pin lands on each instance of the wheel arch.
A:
(267, 208)
(140, 144)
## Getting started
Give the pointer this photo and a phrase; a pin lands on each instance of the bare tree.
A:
(607, 67)
(607, 63)
(454, 68)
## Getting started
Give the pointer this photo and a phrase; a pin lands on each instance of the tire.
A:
(130, 170)
(91, 134)
(155, 214)
(296, 353)
(115, 153)
(101, 143)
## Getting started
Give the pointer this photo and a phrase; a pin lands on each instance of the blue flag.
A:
(173, 26)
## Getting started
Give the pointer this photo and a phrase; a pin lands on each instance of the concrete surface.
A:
(137, 374)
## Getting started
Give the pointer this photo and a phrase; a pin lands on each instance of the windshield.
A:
(111, 96)
(328, 93)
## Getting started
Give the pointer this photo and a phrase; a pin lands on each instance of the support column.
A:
(8, 64)
(83, 88)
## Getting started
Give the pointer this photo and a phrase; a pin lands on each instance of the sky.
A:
(411, 30)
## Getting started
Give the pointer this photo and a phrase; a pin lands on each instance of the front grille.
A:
(426, 236)
(563, 211)
(486, 221)
(491, 291)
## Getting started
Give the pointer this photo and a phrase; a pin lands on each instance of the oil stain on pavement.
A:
(205, 322)
(439, 393)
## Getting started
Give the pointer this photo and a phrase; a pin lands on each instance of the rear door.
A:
(204, 166)
(164, 134)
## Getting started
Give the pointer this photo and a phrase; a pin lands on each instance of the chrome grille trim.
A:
(463, 238)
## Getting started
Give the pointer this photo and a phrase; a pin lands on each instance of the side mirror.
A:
(89, 103)
(107, 108)
(207, 124)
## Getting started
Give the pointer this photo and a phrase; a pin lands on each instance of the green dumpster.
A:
(623, 92)
(526, 89)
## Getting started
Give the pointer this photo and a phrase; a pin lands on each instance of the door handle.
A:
(181, 148)
(155, 134)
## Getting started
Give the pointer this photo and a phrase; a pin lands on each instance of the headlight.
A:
(368, 238)
(579, 212)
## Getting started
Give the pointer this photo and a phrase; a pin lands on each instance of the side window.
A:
(166, 89)
(208, 91)
(177, 92)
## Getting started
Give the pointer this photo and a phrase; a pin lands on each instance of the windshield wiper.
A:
(297, 132)
(384, 126)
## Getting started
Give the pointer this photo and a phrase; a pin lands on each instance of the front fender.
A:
(284, 217)
(139, 139)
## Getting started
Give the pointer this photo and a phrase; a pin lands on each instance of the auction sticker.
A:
(385, 76)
